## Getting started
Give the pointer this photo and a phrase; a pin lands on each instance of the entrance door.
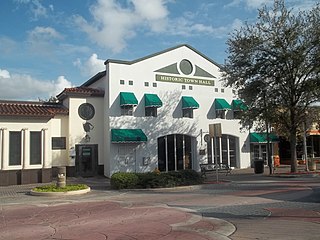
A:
(86, 160)
(174, 152)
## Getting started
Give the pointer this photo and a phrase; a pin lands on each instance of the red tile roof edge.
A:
(81, 91)
(31, 109)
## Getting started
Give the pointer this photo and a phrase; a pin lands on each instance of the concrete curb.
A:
(55, 194)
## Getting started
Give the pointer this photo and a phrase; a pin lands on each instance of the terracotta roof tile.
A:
(81, 91)
(31, 109)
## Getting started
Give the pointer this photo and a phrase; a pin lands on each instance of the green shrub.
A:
(54, 188)
(124, 180)
(155, 180)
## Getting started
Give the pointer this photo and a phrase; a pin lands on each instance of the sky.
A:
(49, 45)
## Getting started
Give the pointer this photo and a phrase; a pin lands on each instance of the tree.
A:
(275, 66)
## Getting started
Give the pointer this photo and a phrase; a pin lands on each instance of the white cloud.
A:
(91, 66)
(36, 8)
(25, 87)
(43, 34)
(114, 24)
(4, 74)
(41, 40)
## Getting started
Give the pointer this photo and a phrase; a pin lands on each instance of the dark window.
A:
(151, 111)
(127, 110)
(171, 153)
(154, 84)
(122, 82)
(221, 114)
(236, 114)
(190, 87)
(183, 87)
(130, 82)
(216, 89)
(222, 90)
(146, 84)
(35, 148)
(162, 154)
(187, 113)
(14, 148)
(58, 143)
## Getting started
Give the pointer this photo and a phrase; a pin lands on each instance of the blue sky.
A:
(47, 45)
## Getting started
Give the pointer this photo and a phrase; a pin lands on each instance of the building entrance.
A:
(175, 152)
(86, 161)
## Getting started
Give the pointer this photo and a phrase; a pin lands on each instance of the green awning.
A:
(128, 98)
(239, 105)
(221, 104)
(152, 100)
(128, 136)
(189, 102)
(262, 137)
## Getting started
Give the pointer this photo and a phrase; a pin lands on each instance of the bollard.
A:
(61, 182)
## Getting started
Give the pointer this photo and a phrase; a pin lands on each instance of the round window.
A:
(86, 111)
(186, 67)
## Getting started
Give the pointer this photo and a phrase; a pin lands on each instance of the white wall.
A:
(76, 132)
(25, 126)
(169, 118)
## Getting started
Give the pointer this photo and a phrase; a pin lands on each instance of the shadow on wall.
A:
(168, 121)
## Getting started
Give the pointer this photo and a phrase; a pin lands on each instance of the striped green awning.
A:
(152, 100)
(221, 104)
(189, 102)
(128, 136)
(128, 98)
(239, 105)
(262, 137)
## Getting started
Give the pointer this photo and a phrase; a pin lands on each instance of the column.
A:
(44, 147)
(4, 152)
(175, 151)
(24, 163)
(1, 147)
(166, 149)
(228, 150)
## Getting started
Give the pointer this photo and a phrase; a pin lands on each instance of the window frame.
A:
(221, 113)
(35, 147)
(187, 113)
(127, 110)
(151, 111)
(15, 151)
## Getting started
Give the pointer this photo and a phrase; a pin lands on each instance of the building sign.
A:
(184, 80)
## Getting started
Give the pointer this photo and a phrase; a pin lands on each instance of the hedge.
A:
(123, 180)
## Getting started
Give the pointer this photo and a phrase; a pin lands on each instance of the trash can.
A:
(312, 165)
(61, 181)
(258, 166)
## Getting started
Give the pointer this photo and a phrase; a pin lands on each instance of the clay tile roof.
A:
(81, 92)
(31, 109)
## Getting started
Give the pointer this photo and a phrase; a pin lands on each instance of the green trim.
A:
(262, 137)
(152, 100)
(189, 102)
(221, 104)
(239, 105)
(128, 98)
(128, 136)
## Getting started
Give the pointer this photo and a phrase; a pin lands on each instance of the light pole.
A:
(305, 151)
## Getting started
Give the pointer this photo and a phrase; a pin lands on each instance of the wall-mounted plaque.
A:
(86, 111)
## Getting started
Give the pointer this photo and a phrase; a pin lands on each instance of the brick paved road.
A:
(260, 206)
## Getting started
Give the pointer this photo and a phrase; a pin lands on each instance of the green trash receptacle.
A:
(258, 166)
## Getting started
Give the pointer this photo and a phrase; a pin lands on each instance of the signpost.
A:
(215, 131)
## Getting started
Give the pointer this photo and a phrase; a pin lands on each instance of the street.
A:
(242, 206)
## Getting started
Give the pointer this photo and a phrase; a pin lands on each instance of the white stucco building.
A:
(153, 112)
